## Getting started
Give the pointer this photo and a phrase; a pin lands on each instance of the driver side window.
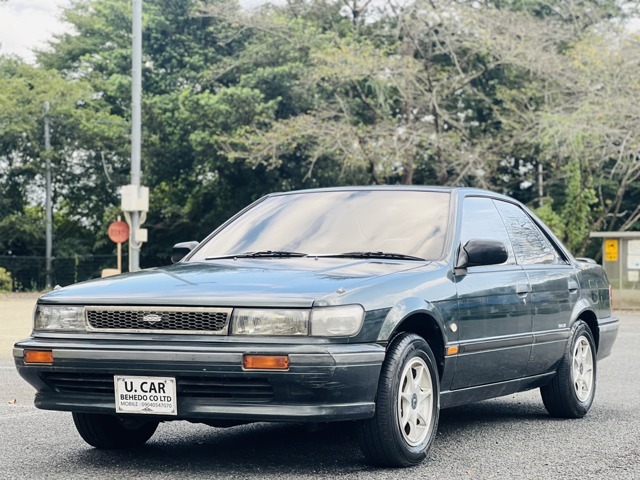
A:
(481, 221)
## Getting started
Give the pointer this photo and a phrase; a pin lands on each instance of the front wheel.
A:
(571, 392)
(111, 432)
(407, 406)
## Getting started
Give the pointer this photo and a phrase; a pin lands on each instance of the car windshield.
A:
(376, 223)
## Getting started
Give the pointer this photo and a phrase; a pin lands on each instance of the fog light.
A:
(38, 356)
(266, 362)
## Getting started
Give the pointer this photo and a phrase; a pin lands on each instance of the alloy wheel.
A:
(582, 369)
(415, 401)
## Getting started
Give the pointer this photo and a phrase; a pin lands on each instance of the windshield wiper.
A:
(398, 256)
(260, 254)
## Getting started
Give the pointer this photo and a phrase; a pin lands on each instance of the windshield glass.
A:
(324, 223)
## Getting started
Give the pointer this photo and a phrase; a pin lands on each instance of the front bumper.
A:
(323, 382)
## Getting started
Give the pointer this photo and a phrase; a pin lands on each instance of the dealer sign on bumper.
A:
(145, 395)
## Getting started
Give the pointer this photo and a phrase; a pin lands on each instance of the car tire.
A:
(571, 392)
(399, 435)
(110, 432)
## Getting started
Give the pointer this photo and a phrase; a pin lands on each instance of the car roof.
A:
(459, 191)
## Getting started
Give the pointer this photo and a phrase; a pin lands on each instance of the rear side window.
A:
(530, 245)
(481, 221)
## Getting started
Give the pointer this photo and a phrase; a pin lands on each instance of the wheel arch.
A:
(425, 325)
(420, 317)
(584, 311)
(589, 317)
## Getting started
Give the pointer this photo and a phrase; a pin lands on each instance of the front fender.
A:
(404, 309)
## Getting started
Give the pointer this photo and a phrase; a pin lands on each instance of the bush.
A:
(6, 283)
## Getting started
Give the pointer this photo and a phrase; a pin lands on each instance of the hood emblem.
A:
(152, 318)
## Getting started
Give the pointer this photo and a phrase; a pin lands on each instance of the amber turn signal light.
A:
(266, 362)
(38, 356)
(453, 350)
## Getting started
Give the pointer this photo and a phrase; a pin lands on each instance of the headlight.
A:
(270, 322)
(336, 321)
(343, 321)
(49, 317)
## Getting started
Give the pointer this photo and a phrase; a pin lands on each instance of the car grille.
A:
(225, 389)
(202, 320)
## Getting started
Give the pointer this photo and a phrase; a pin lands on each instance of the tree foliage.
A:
(6, 281)
(316, 93)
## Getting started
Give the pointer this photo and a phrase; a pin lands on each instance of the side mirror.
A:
(180, 250)
(476, 253)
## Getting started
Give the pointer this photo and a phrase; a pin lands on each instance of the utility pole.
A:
(48, 195)
(135, 198)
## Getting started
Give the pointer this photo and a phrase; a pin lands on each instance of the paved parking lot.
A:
(511, 437)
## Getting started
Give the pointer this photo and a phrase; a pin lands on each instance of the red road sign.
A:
(118, 232)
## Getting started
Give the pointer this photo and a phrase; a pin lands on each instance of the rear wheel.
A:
(111, 432)
(571, 392)
(407, 406)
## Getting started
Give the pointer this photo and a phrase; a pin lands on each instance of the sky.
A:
(28, 24)
(25, 24)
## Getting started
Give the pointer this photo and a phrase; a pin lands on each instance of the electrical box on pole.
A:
(134, 202)
(134, 198)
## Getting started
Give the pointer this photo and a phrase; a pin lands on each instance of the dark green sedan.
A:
(375, 305)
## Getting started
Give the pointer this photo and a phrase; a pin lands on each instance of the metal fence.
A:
(30, 273)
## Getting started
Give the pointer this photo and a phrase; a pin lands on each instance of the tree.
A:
(420, 97)
(79, 126)
(319, 93)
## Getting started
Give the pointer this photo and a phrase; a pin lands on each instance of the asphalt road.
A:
(511, 437)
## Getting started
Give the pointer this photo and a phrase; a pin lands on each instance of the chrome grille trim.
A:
(178, 320)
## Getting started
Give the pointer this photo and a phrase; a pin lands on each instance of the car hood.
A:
(266, 282)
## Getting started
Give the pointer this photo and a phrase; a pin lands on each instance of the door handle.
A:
(522, 289)
(573, 286)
